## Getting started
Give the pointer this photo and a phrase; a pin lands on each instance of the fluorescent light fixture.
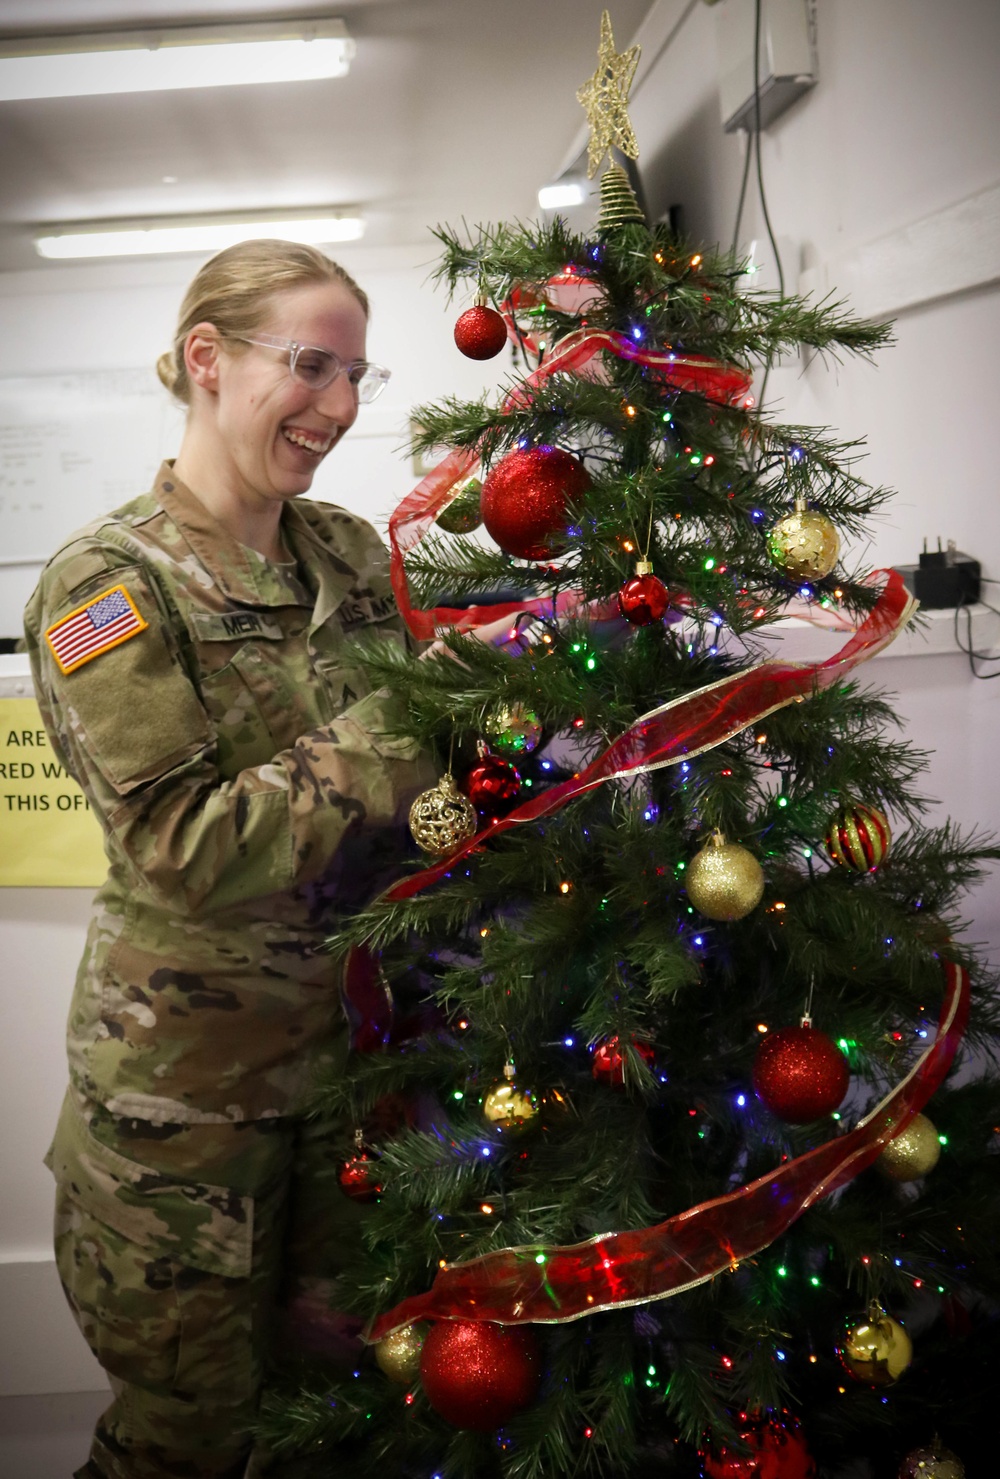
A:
(154, 239)
(566, 193)
(173, 57)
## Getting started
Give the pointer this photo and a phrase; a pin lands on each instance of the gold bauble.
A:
(876, 1350)
(913, 1152)
(933, 1462)
(513, 729)
(442, 818)
(804, 544)
(507, 1106)
(399, 1353)
(724, 880)
(463, 514)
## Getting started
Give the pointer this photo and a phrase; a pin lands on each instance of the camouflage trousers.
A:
(178, 1247)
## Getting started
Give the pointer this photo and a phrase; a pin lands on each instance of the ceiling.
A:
(452, 109)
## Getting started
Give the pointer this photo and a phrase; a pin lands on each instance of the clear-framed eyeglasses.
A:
(318, 368)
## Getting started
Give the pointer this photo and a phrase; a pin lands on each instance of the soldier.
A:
(191, 662)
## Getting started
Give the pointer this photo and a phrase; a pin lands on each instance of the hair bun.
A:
(166, 369)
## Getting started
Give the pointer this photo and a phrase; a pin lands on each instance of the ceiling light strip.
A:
(195, 236)
(106, 63)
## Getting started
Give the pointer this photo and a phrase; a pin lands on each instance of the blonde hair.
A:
(233, 291)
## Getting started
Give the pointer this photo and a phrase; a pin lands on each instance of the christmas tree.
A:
(681, 970)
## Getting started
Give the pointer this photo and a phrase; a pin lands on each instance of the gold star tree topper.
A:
(604, 99)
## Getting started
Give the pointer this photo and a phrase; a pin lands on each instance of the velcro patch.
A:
(362, 610)
(104, 622)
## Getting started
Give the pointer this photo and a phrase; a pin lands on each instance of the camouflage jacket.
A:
(241, 769)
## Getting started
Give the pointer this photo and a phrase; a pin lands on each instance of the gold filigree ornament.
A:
(441, 819)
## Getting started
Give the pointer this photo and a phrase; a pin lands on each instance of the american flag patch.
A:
(103, 623)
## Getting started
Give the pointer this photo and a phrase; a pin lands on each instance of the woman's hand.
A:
(494, 634)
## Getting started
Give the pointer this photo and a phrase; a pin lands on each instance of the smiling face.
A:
(271, 432)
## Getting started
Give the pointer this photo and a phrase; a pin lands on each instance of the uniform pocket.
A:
(154, 1321)
(158, 1271)
(243, 736)
(134, 713)
(207, 1227)
(122, 1296)
(260, 702)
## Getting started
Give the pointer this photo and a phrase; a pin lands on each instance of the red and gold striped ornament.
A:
(858, 837)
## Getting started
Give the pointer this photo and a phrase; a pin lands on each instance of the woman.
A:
(191, 662)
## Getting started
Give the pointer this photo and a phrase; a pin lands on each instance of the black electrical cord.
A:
(753, 151)
(968, 648)
(743, 194)
(760, 173)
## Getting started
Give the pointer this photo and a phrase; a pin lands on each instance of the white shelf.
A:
(930, 634)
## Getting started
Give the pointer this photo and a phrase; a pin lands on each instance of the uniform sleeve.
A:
(130, 727)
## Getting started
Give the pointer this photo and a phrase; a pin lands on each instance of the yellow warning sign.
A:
(49, 837)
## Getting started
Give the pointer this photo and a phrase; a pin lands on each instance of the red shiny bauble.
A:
(480, 332)
(777, 1451)
(478, 1375)
(359, 1178)
(800, 1074)
(492, 785)
(525, 500)
(608, 1064)
(643, 600)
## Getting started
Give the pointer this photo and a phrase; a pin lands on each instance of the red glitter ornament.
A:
(478, 1375)
(525, 500)
(643, 599)
(492, 785)
(800, 1074)
(777, 1451)
(358, 1175)
(480, 332)
(608, 1064)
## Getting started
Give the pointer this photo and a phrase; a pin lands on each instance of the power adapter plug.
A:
(943, 578)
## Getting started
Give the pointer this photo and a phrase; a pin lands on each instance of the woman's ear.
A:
(201, 356)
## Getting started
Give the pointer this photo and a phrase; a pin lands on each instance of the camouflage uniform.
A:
(243, 775)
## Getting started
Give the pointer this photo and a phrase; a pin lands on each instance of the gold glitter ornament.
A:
(399, 1353)
(912, 1153)
(441, 819)
(507, 1106)
(513, 729)
(933, 1462)
(463, 514)
(724, 880)
(604, 99)
(804, 544)
(876, 1350)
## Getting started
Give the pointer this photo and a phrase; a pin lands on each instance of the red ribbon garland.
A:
(413, 517)
(698, 721)
(552, 1285)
